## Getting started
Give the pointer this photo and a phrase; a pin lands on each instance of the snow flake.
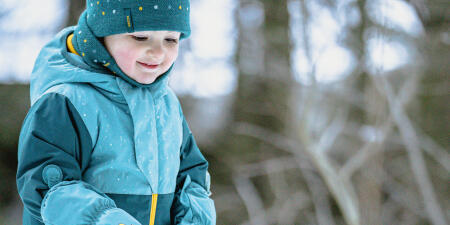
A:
(155, 7)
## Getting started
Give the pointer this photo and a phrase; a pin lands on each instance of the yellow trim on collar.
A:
(70, 45)
(153, 209)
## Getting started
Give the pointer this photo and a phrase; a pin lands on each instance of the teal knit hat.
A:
(107, 17)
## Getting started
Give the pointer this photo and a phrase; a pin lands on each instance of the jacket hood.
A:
(55, 66)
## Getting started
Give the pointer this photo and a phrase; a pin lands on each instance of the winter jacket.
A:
(94, 149)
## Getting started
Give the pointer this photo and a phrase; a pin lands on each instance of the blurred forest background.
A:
(336, 112)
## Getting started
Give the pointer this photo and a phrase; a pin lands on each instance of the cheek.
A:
(172, 55)
(125, 59)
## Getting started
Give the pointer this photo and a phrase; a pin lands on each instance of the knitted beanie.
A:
(107, 17)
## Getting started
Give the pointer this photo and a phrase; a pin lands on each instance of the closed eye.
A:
(172, 40)
(139, 38)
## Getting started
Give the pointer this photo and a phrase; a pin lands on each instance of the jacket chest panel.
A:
(114, 167)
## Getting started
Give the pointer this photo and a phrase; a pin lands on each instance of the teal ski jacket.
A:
(95, 149)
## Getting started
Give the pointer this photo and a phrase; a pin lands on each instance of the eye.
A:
(172, 40)
(139, 38)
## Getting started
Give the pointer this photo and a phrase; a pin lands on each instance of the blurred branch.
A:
(367, 151)
(416, 159)
(434, 150)
(431, 147)
(227, 199)
(252, 201)
(288, 211)
(330, 134)
(343, 193)
(280, 188)
(319, 198)
(279, 141)
(398, 193)
(321, 161)
(276, 165)
(341, 190)
(269, 167)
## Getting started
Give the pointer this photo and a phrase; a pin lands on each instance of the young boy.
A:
(105, 141)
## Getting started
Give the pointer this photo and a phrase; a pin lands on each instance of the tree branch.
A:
(415, 156)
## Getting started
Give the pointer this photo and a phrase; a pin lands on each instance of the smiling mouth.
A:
(148, 66)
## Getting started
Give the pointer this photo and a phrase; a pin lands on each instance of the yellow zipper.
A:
(153, 209)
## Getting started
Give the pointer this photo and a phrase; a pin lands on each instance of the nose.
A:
(155, 50)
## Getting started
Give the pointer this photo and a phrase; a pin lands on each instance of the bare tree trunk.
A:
(75, 9)
(369, 181)
(262, 96)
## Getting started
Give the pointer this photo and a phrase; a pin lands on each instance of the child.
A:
(105, 141)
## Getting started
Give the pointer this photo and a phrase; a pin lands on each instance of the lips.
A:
(148, 66)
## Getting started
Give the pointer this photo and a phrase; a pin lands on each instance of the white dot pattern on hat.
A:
(140, 8)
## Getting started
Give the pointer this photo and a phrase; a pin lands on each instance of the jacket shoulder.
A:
(54, 116)
(83, 98)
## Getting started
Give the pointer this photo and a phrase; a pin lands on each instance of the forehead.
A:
(158, 32)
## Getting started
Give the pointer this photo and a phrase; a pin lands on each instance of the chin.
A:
(146, 80)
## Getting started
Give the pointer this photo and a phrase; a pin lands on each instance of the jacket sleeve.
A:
(54, 150)
(192, 204)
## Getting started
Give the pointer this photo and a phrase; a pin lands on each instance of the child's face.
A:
(145, 55)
